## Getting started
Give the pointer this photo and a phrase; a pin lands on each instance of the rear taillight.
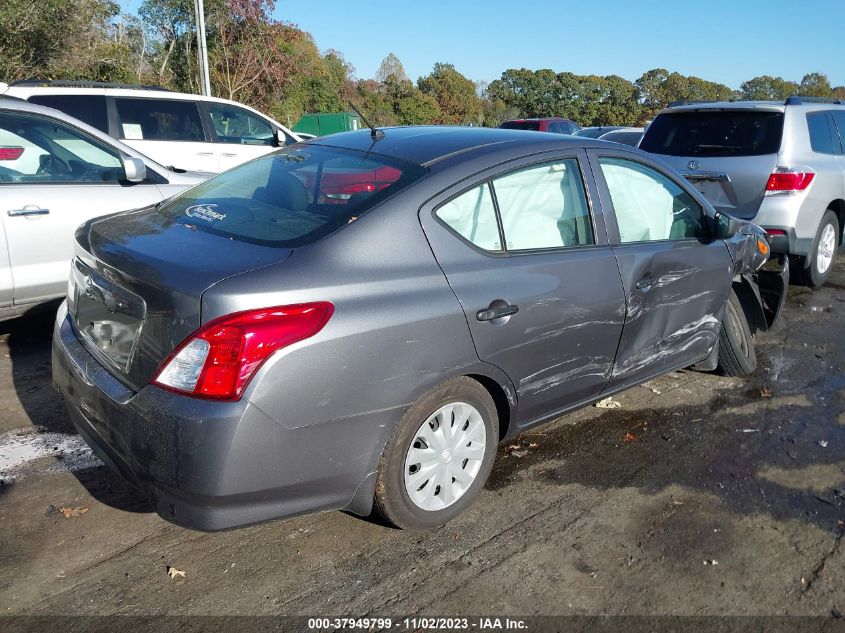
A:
(10, 153)
(220, 358)
(788, 182)
(775, 231)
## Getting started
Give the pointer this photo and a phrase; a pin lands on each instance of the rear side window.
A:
(158, 120)
(292, 197)
(726, 133)
(839, 123)
(520, 125)
(88, 108)
(822, 135)
(473, 216)
(544, 207)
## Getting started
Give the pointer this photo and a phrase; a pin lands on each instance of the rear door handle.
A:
(644, 283)
(229, 155)
(28, 210)
(496, 313)
(205, 153)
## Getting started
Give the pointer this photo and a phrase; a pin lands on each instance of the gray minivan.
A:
(779, 164)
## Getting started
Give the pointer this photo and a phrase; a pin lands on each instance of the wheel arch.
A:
(752, 303)
(838, 207)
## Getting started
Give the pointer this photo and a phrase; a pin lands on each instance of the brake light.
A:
(788, 182)
(775, 231)
(219, 359)
(10, 153)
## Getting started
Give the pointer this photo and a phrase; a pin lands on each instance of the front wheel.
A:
(439, 456)
(736, 345)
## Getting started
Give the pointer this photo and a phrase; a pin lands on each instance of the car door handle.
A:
(644, 283)
(205, 153)
(229, 155)
(28, 210)
(496, 313)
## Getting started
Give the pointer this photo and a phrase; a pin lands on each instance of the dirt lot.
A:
(701, 496)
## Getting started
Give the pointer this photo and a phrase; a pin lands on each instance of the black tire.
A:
(392, 501)
(813, 277)
(736, 345)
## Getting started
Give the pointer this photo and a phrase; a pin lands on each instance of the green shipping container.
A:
(324, 123)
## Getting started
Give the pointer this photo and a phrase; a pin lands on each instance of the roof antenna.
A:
(376, 135)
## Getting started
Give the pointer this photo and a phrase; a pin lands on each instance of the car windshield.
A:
(292, 197)
(724, 133)
(594, 132)
(520, 125)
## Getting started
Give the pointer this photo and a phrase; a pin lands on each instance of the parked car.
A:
(626, 135)
(187, 131)
(56, 173)
(356, 322)
(780, 164)
(596, 132)
(555, 125)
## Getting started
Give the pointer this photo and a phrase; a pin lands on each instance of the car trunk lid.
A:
(137, 282)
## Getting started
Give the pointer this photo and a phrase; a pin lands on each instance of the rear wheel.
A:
(736, 345)
(821, 258)
(439, 456)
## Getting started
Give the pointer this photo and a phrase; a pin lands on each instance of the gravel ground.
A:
(700, 496)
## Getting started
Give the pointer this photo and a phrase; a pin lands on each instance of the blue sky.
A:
(719, 40)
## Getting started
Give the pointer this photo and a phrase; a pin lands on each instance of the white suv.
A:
(55, 174)
(185, 131)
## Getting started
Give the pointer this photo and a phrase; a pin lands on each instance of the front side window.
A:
(292, 197)
(649, 206)
(473, 216)
(236, 125)
(158, 120)
(40, 150)
(544, 207)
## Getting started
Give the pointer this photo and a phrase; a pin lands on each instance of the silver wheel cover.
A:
(445, 456)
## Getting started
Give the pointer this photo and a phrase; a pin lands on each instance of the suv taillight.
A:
(788, 181)
(219, 359)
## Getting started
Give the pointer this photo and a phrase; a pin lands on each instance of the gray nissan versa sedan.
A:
(356, 322)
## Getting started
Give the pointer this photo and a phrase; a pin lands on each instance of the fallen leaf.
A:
(765, 392)
(174, 573)
(533, 445)
(608, 403)
(629, 438)
(73, 512)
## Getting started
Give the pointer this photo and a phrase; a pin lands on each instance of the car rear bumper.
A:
(204, 465)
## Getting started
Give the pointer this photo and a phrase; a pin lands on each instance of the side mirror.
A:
(134, 169)
(726, 226)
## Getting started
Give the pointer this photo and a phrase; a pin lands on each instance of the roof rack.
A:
(683, 102)
(63, 83)
(799, 100)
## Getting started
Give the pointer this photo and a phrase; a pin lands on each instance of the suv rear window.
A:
(292, 197)
(730, 133)
(88, 108)
(520, 125)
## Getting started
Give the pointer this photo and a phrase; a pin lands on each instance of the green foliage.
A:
(454, 94)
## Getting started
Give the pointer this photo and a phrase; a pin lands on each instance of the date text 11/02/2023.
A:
(419, 623)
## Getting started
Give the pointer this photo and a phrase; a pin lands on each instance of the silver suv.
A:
(779, 164)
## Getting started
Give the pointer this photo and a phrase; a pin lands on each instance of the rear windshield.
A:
(291, 197)
(732, 133)
(520, 125)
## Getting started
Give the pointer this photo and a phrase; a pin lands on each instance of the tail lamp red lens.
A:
(789, 181)
(220, 358)
(10, 153)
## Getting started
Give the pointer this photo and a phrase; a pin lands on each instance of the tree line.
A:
(276, 67)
